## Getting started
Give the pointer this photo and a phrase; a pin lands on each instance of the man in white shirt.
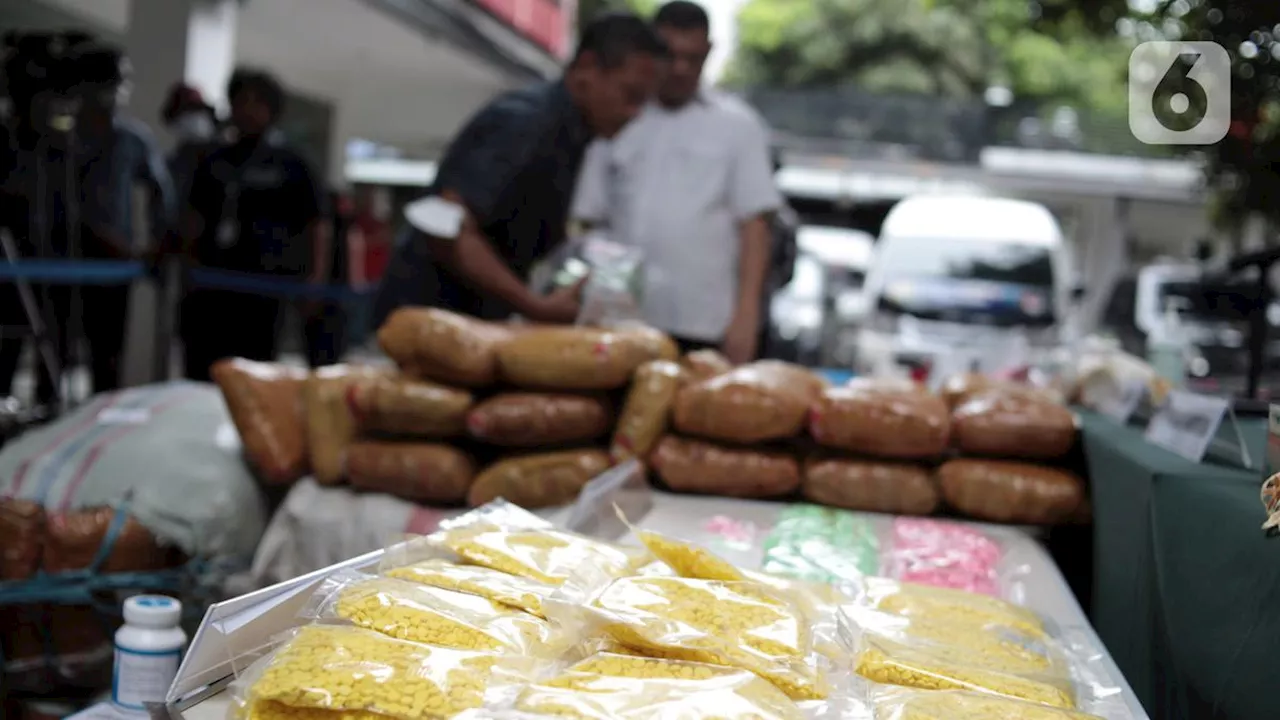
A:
(690, 182)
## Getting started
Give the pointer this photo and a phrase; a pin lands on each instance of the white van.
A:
(975, 277)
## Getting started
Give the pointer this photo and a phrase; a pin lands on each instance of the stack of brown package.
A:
(47, 646)
(473, 410)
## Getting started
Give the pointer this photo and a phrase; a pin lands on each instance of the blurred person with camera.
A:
(255, 207)
(690, 183)
(500, 201)
(73, 177)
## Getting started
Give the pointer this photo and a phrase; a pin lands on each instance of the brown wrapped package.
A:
(331, 424)
(881, 419)
(1013, 423)
(265, 401)
(647, 409)
(402, 406)
(957, 388)
(705, 364)
(22, 530)
(655, 344)
(420, 472)
(765, 400)
(537, 481)
(1014, 492)
(700, 467)
(443, 346)
(571, 358)
(532, 419)
(897, 488)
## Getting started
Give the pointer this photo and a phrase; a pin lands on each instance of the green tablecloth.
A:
(1186, 587)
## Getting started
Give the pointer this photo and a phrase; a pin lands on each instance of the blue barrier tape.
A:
(84, 587)
(108, 543)
(73, 272)
(270, 285)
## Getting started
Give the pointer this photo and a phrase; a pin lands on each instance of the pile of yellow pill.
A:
(994, 647)
(443, 617)
(722, 623)
(271, 710)
(500, 587)
(894, 664)
(548, 556)
(688, 560)
(954, 606)
(352, 669)
(960, 705)
(613, 686)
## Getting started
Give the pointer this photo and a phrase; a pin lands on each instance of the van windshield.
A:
(968, 281)
(1015, 263)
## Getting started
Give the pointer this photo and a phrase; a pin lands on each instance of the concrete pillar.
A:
(168, 41)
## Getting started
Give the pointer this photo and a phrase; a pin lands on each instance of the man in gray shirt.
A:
(690, 183)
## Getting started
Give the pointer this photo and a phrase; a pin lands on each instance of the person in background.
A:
(500, 201)
(117, 153)
(325, 323)
(194, 126)
(690, 183)
(370, 250)
(255, 207)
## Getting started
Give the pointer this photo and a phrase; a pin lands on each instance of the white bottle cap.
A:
(152, 611)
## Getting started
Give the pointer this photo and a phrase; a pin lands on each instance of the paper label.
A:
(1187, 423)
(143, 676)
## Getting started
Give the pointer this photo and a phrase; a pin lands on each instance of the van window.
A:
(1016, 263)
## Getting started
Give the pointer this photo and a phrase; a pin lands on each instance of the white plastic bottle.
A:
(1167, 348)
(148, 651)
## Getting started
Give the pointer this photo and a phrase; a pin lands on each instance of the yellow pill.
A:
(709, 621)
(548, 556)
(885, 663)
(959, 705)
(688, 560)
(348, 669)
(500, 587)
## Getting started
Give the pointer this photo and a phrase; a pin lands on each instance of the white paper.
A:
(435, 216)
(1187, 423)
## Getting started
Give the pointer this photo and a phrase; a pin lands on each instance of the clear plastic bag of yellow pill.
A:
(608, 687)
(738, 624)
(957, 606)
(354, 670)
(991, 645)
(272, 710)
(941, 667)
(418, 561)
(901, 704)
(428, 614)
(547, 556)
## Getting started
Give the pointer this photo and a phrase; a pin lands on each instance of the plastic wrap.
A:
(423, 613)
(422, 472)
(331, 422)
(873, 486)
(939, 668)
(882, 420)
(265, 401)
(911, 600)
(609, 686)
(443, 346)
(943, 554)
(735, 624)
(1004, 491)
(700, 467)
(705, 364)
(511, 590)
(902, 704)
(402, 406)
(766, 400)
(647, 409)
(353, 670)
(538, 419)
(821, 545)
(651, 342)
(497, 537)
(957, 388)
(559, 358)
(1013, 423)
(538, 481)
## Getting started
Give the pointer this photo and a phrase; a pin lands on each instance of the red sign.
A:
(542, 22)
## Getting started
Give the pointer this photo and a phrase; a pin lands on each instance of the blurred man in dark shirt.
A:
(500, 200)
(257, 207)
